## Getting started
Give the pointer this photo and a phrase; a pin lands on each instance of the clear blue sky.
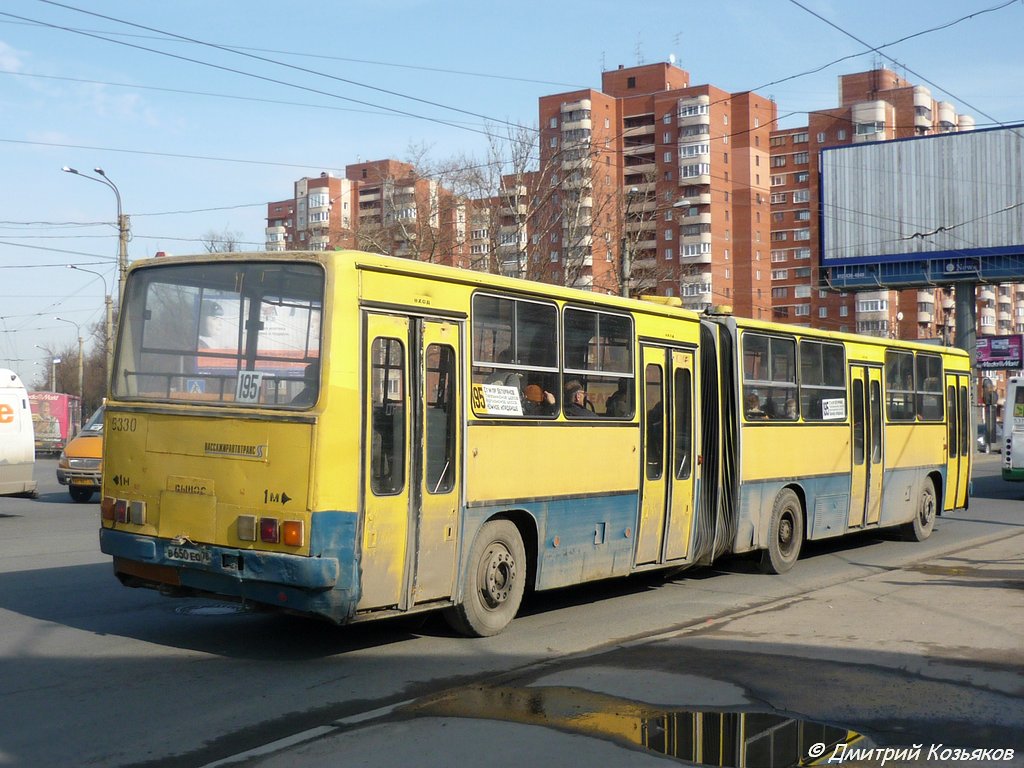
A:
(199, 139)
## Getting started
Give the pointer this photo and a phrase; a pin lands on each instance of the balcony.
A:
(696, 218)
(585, 124)
(986, 293)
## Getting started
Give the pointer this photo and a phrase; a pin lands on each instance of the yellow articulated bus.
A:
(354, 436)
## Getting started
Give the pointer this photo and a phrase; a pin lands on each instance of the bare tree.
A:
(221, 242)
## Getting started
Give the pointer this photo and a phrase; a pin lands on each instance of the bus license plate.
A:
(187, 555)
(81, 481)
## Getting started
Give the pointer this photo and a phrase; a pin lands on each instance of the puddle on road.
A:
(701, 737)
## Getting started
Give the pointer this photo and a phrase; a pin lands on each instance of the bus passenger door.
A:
(669, 457)
(683, 455)
(866, 445)
(386, 503)
(653, 492)
(439, 466)
(958, 441)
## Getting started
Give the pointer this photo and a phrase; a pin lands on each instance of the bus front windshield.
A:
(222, 333)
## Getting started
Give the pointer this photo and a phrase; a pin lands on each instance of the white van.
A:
(17, 441)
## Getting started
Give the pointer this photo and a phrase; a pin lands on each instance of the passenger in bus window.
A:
(619, 404)
(791, 410)
(752, 407)
(537, 401)
(575, 401)
(311, 377)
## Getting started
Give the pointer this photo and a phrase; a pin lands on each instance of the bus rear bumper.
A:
(294, 583)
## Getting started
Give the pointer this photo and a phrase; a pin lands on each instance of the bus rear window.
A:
(222, 333)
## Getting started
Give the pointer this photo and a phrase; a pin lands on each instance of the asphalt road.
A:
(904, 643)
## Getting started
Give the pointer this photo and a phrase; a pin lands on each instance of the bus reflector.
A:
(247, 527)
(137, 512)
(107, 508)
(291, 533)
(269, 530)
(121, 511)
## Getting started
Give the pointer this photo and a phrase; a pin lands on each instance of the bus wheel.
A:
(785, 534)
(81, 495)
(494, 582)
(924, 520)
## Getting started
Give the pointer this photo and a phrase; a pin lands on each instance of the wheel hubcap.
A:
(498, 576)
(786, 534)
(927, 509)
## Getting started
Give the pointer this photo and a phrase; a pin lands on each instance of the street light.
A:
(53, 367)
(81, 359)
(109, 329)
(123, 226)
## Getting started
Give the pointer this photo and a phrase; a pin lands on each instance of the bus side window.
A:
(387, 455)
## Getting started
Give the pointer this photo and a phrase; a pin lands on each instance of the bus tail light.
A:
(120, 511)
(123, 511)
(270, 531)
(246, 528)
(137, 512)
(292, 533)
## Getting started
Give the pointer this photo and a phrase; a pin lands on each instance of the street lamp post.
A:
(123, 225)
(81, 358)
(53, 367)
(109, 325)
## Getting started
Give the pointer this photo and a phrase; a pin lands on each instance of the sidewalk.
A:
(931, 655)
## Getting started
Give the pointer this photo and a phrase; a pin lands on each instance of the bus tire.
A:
(785, 533)
(81, 495)
(920, 528)
(493, 583)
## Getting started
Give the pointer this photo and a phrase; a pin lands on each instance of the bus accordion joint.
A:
(717, 310)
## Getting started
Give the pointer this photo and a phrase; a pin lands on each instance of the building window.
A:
(667, 120)
(801, 234)
(780, 274)
(779, 161)
(802, 215)
(841, 134)
(668, 254)
(780, 293)
(800, 158)
(778, 181)
(801, 195)
(779, 197)
(822, 311)
(801, 177)
(802, 291)
(821, 137)
(631, 82)
(800, 138)
(802, 310)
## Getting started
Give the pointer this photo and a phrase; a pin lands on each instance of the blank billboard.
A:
(930, 209)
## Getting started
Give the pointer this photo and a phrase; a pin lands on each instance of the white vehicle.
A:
(17, 439)
(1013, 430)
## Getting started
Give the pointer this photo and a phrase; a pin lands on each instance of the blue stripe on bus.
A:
(325, 583)
(827, 500)
(595, 536)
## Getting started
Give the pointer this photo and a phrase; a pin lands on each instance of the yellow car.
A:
(80, 466)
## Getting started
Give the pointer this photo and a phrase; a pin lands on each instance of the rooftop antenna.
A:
(639, 51)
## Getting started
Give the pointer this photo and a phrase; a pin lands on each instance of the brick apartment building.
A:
(381, 206)
(661, 185)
